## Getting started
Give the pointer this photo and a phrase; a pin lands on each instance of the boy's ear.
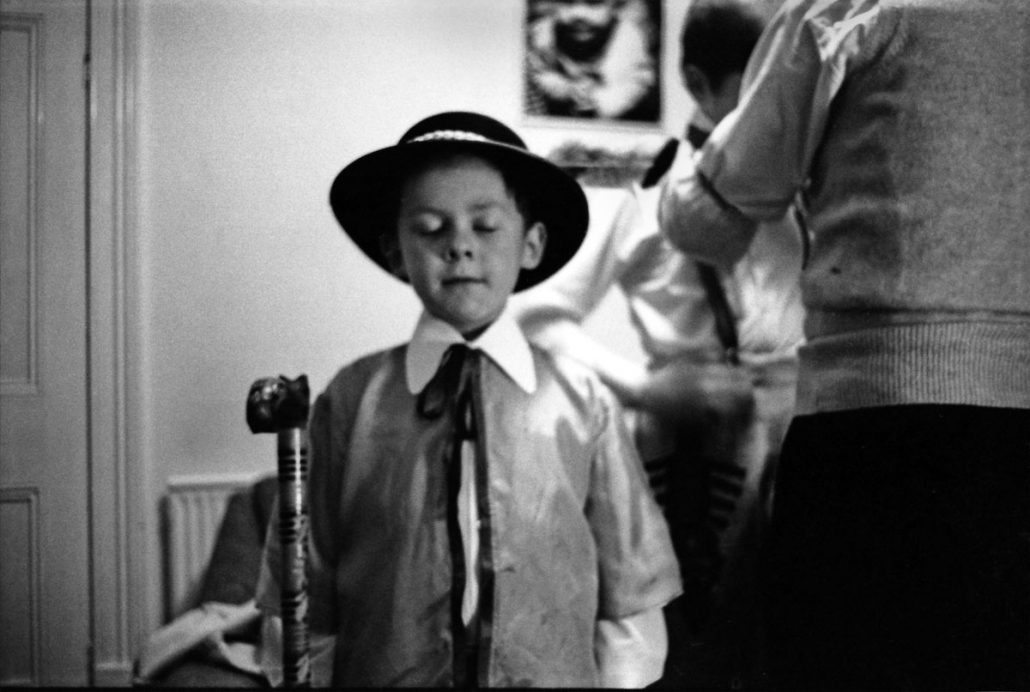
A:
(533, 246)
(696, 82)
(391, 250)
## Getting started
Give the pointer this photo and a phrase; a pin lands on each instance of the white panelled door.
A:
(44, 420)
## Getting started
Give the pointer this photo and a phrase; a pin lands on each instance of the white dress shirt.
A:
(630, 651)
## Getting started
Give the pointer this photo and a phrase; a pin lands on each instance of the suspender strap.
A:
(725, 326)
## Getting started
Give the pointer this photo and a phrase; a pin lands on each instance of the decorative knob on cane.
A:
(280, 405)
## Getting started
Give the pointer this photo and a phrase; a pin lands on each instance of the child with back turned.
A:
(479, 515)
(712, 398)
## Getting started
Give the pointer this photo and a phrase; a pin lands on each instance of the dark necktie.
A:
(696, 136)
(662, 161)
(452, 390)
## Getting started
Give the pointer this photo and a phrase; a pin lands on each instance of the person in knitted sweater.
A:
(900, 524)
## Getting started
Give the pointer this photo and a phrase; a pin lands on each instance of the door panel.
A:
(44, 464)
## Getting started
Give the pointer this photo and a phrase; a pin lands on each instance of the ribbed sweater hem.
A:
(979, 363)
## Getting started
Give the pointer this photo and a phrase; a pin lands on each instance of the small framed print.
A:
(593, 62)
(592, 81)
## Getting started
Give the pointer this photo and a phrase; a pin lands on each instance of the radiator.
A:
(194, 507)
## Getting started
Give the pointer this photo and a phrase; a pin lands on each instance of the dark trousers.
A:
(900, 550)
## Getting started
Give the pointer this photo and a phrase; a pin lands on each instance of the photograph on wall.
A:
(593, 61)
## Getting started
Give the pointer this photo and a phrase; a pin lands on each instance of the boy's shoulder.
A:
(554, 361)
(354, 376)
(572, 375)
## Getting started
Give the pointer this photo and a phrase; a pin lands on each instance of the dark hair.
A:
(718, 37)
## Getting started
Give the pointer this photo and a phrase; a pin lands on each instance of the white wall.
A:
(246, 111)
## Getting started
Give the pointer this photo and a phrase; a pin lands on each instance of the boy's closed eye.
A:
(425, 224)
(432, 225)
(486, 225)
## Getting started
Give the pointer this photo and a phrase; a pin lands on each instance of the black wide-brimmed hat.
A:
(365, 194)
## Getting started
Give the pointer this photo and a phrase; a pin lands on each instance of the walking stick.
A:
(281, 405)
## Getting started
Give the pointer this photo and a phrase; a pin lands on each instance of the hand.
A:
(696, 393)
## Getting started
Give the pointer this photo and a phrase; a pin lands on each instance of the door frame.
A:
(119, 523)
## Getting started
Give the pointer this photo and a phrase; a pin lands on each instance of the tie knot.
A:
(450, 386)
(696, 136)
(458, 352)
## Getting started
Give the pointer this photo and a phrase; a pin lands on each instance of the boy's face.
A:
(462, 241)
(584, 23)
(715, 102)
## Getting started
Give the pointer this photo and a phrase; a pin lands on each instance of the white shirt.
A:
(630, 651)
(504, 344)
(668, 306)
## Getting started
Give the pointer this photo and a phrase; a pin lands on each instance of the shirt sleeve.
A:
(699, 223)
(757, 159)
(631, 651)
(637, 566)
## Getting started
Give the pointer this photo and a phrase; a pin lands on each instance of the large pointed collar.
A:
(503, 342)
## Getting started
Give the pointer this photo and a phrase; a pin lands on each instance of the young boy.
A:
(484, 522)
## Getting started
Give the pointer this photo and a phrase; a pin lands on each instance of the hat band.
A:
(451, 135)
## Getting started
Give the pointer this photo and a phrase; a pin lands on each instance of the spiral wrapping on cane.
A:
(293, 529)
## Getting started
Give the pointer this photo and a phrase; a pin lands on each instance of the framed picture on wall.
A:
(593, 61)
(592, 84)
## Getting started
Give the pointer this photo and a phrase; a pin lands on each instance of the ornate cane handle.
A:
(278, 403)
(281, 405)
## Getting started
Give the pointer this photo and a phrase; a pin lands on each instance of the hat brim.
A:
(364, 198)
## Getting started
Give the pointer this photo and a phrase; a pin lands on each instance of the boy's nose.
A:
(456, 252)
(460, 245)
